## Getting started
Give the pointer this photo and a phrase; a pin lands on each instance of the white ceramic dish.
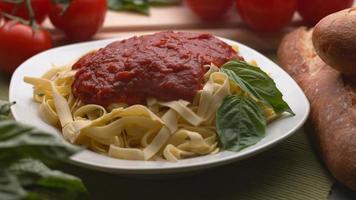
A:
(26, 111)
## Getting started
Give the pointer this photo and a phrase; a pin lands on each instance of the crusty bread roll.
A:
(333, 103)
(334, 40)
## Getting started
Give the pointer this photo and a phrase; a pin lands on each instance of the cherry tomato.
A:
(40, 9)
(19, 42)
(81, 20)
(210, 9)
(269, 16)
(313, 11)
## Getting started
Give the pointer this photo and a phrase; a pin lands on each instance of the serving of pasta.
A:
(230, 103)
(158, 130)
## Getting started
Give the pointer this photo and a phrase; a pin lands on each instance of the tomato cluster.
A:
(269, 15)
(19, 39)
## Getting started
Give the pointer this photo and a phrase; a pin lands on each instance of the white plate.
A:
(26, 111)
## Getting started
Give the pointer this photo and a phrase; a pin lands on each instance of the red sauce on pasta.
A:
(166, 65)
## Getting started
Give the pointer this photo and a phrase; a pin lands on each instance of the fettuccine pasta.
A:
(158, 130)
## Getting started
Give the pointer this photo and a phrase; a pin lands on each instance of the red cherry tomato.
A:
(313, 11)
(40, 9)
(19, 42)
(210, 9)
(263, 15)
(81, 20)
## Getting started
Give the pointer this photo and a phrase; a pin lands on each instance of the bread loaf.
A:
(334, 40)
(333, 103)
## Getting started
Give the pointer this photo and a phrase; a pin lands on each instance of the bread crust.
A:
(333, 103)
(334, 40)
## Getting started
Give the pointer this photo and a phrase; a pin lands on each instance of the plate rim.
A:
(208, 163)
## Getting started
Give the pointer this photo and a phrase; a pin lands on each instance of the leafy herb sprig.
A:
(24, 151)
(240, 121)
(140, 6)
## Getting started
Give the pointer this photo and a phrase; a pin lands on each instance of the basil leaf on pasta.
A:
(255, 81)
(240, 122)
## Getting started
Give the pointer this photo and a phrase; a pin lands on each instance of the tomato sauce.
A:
(166, 65)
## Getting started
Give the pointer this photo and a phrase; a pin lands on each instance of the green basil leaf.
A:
(141, 6)
(31, 179)
(22, 178)
(164, 2)
(47, 183)
(240, 122)
(255, 81)
(22, 141)
(5, 108)
(10, 187)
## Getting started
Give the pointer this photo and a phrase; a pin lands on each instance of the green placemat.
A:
(290, 170)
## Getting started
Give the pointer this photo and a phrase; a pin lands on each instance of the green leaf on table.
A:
(240, 122)
(10, 187)
(40, 181)
(256, 82)
(141, 6)
(21, 141)
(5, 108)
(22, 177)
(164, 2)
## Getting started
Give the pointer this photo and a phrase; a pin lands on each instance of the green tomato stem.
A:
(18, 19)
(30, 12)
